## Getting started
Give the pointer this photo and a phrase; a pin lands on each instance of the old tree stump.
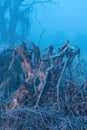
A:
(31, 78)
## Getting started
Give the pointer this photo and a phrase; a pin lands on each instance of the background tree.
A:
(15, 18)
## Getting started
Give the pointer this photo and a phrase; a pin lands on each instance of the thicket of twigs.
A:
(42, 90)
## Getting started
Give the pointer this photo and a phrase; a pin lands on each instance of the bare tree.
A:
(15, 18)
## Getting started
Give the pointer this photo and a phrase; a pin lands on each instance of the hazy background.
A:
(65, 20)
(44, 23)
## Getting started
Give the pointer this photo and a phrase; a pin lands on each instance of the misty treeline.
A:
(42, 90)
(16, 19)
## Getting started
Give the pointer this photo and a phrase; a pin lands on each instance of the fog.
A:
(67, 19)
(46, 23)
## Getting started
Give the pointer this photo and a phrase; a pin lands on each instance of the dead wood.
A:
(44, 86)
(44, 77)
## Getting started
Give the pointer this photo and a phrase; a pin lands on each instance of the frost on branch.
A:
(42, 85)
